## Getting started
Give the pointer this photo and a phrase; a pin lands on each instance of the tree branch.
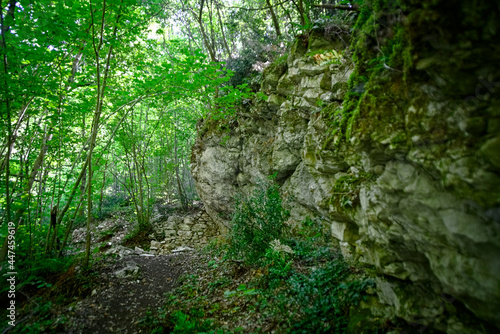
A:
(260, 8)
(352, 8)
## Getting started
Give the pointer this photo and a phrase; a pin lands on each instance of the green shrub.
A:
(278, 265)
(257, 220)
(44, 322)
(190, 323)
(299, 283)
(324, 297)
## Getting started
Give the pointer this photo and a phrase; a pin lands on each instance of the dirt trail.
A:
(127, 281)
(125, 296)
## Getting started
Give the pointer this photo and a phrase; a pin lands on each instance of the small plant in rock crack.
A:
(257, 220)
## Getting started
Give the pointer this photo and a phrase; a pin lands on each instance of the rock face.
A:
(410, 188)
(180, 232)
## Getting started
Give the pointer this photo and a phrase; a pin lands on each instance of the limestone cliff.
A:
(397, 152)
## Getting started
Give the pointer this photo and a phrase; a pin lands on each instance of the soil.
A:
(118, 299)
(119, 304)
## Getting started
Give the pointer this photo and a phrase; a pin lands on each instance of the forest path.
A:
(129, 288)
(130, 281)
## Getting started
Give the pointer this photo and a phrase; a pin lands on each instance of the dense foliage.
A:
(100, 101)
(296, 284)
(99, 105)
(257, 221)
(93, 110)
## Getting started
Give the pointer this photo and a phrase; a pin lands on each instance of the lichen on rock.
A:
(388, 152)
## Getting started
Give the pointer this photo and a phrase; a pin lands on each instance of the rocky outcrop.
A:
(408, 184)
(182, 233)
(172, 232)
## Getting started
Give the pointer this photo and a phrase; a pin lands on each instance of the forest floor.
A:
(128, 290)
(122, 286)
(119, 303)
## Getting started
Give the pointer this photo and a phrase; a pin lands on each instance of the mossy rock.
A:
(299, 48)
(317, 41)
(273, 73)
(326, 81)
(361, 320)
(286, 86)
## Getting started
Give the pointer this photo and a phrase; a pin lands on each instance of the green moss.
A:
(209, 126)
(337, 86)
(400, 138)
(212, 126)
(281, 59)
(278, 68)
(333, 116)
(351, 122)
(299, 47)
(346, 190)
(361, 320)
(326, 82)
(401, 52)
(285, 85)
(382, 53)
(317, 40)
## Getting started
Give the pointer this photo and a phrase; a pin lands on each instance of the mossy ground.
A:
(266, 278)
(312, 292)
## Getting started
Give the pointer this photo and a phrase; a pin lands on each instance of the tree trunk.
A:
(199, 19)
(101, 87)
(179, 186)
(300, 9)
(102, 188)
(84, 178)
(274, 18)
(68, 228)
(53, 224)
(224, 40)
(4, 29)
(34, 171)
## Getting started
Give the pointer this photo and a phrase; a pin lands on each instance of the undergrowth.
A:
(50, 284)
(264, 279)
(257, 221)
